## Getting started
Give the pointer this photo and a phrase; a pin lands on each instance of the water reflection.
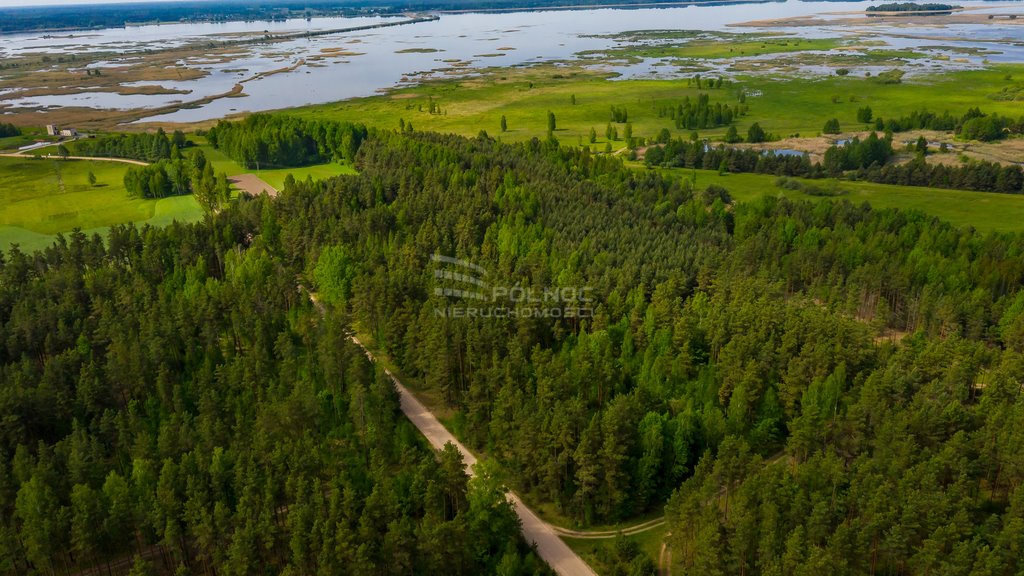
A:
(337, 67)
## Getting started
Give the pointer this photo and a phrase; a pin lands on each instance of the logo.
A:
(468, 294)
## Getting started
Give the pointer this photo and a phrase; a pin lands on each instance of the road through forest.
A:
(551, 548)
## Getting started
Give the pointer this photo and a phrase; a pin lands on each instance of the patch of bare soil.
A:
(1006, 152)
(815, 146)
(1010, 151)
(252, 185)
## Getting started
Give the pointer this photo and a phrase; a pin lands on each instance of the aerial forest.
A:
(801, 388)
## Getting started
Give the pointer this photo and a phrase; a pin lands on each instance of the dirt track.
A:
(252, 185)
(91, 158)
(550, 547)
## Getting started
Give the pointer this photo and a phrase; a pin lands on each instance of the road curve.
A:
(551, 548)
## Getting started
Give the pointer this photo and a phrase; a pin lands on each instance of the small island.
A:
(913, 8)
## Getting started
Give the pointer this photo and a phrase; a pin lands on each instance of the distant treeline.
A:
(697, 154)
(147, 147)
(976, 175)
(117, 15)
(263, 140)
(857, 159)
(974, 125)
(9, 130)
(913, 7)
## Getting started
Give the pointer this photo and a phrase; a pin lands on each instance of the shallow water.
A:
(474, 40)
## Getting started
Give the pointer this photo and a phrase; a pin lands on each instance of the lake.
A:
(346, 65)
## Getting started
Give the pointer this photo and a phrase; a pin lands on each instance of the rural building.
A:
(70, 132)
(52, 130)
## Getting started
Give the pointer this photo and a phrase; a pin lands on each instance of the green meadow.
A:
(275, 177)
(39, 198)
(783, 106)
(28, 136)
(42, 197)
(582, 100)
(985, 211)
(803, 106)
(712, 46)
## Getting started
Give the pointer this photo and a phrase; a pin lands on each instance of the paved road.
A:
(551, 548)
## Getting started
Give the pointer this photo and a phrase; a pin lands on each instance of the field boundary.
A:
(86, 158)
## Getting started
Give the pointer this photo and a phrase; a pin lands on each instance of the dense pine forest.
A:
(811, 387)
(171, 403)
(803, 388)
(190, 173)
(144, 146)
(267, 140)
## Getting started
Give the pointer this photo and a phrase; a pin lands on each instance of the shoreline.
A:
(383, 14)
(618, 5)
(129, 25)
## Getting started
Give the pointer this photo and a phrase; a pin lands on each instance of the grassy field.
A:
(783, 106)
(221, 163)
(711, 46)
(802, 106)
(39, 198)
(28, 136)
(49, 196)
(319, 172)
(524, 98)
(983, 210)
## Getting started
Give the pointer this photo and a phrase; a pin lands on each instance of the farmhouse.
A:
(54, 130)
